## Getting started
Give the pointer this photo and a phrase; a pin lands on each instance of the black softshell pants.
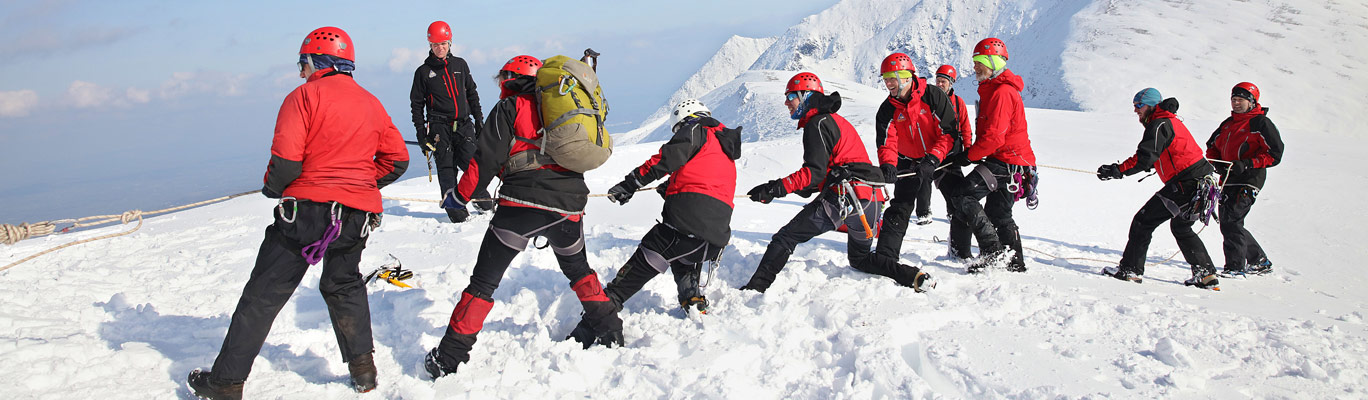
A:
(510, 231)
(455, 148)
(280, 267)
(914, 193)
(663, 248)
(1166, 205)
(1239, 245)
(820, 216)
(991, 222)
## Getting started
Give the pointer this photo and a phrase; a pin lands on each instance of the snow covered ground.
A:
(129, 317)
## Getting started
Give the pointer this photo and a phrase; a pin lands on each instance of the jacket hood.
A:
(1006, 78)
(433, 61)
(521, 85)
(727, 138)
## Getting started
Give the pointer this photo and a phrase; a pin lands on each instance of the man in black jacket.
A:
(444, 88)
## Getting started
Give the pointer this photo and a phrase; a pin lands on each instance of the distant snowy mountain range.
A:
(1084, 55)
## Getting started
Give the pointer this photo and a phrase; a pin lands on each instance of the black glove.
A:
(960, 159)
(623, 191)
(927, 166)
(425, 140)
(1239, 167)
(1109, 171)
(767, 192)
(890, 173)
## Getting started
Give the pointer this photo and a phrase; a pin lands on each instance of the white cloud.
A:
(222, 83)
(405, 59)
(83, 94)
(17, 103)
(139, 96)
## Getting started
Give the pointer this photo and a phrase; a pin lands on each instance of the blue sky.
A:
(108, 106)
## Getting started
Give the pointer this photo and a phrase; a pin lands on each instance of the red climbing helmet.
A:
(522, 65)
(991, 47)
(329, 40)
(1247, 88)
(804, 81)
(897, 62)
(948, 72)
(439, 32)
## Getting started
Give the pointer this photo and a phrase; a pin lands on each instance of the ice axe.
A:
(591, 55)
(427, 153)
(859, 208)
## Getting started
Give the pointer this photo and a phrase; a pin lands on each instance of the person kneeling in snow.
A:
(334, 148)
(701, 161)
(1168, 147)
(535, 199)
(835, 165)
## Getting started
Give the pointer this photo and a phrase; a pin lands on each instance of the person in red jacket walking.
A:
(1168, 148)
(950, 175)
(837, 168)
(696, 222)
(543, 200)
(1006, 167)
(1250, 142)
(916, 128)
(444, 88)
(334, 148)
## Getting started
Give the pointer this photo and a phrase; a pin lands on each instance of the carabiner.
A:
(280, 209)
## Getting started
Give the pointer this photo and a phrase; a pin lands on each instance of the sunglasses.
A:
(900, 74)
(1138, 105)
(301, 66)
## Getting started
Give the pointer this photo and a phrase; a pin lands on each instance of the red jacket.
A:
(1167, 146)
(334, 142)
(915, 126)
(829, 141)
(1247, 136)
(701, 161)
(1002, 122)
(962, 112)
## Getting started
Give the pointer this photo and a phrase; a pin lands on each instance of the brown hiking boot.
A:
(362, 370)
(206, 387)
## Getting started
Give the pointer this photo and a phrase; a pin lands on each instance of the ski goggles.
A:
(899, 74)
(791, 96)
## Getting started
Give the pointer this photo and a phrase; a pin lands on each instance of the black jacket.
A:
(446, 90)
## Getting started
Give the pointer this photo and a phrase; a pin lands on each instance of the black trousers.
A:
(1239, 245)
(948, 180)
(510, 231)
(820, 216)
(663, 248)
(455, 148)
(991, 222)
(1166, 205)
(280, 267)
(914, 193)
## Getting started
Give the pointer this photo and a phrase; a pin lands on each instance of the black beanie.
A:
(1242, 93)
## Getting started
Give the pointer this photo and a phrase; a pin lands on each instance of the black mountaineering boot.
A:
(206, 387)
(363, 373)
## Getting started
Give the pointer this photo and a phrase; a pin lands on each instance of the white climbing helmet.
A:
(687, 108)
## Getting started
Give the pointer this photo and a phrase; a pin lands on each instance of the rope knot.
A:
(130, 216)
(10, 234)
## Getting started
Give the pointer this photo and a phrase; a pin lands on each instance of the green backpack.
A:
(572, 112)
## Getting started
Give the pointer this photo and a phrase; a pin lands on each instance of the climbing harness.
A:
(313, 253)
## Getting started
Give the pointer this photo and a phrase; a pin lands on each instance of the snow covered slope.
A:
(1090, 55)
(129, 317)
